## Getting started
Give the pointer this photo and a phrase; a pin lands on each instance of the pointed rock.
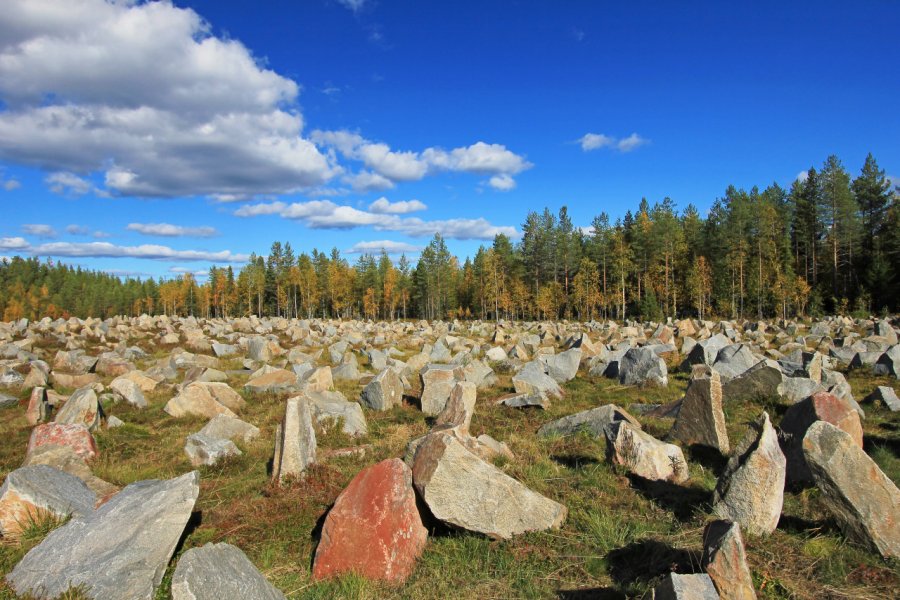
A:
(82, 408)
(701, 419)
(437, 383)
(725, 561)
(762, 381)
(883, 394)
(295, 440)
(38, 410)
(459, 408)
(129, 391)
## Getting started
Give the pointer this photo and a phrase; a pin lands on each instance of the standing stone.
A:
(220, 572)
(129, 391)
(697, 586)
(119, 551)
(701, 419)
(642, 366)
(459, 408)
(317, 380)
(384, 392)
(725, 561)
(821, 406)
(81, 408)
(751, 489)
(74, 436)
(593, 421)
(374, 528)
(886, 395)
(437, 383)
(644, 455)
(295, 440)
(29, 492)
(38, 410)
(864, 501)
(462, 490)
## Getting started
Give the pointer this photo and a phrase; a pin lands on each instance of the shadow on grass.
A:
(644, 561)
(681, 501)
(710, 458)
(591, 594)
(574, 461)
(874, 442)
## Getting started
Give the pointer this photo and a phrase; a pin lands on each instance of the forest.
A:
(830, 244)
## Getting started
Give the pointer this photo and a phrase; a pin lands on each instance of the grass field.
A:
(621, 536)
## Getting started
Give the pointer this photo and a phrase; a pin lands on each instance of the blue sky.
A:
(157, 138)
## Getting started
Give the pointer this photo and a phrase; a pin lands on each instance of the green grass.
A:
(621, 535)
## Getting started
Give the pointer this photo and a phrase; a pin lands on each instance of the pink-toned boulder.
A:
(374, 528)
(72, 435)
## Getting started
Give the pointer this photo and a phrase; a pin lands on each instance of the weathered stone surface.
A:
(480, 374)
(725, 561)
(642, 366)
(30, 492)
(821, 406)
(889, 362)
(593, 421)
(295, 440)
(384, 392)
(532, 378)
(38, 409)
(374, 528)
(258, 349)
(278, 380)
(118, 551)
(459, 408)
(219, 572)
(463, 490)
(72, 435)
(563, 367)
(65, 459)
(863, 500)
(733, 360)
(762, 381)
(795, 389)
(74, 362)
(81, 408)
(330, 408)
(883, 394)
(437, 383)
(147, 384)
(224, 427)
(644, 455)
(496, 354)
(224, 349)
(198, 399)
(536, 399)
(700, 419)
(751, 489)
(205, 450)
(317, 380)
(697, 586)
(705, 351)
(129, 391)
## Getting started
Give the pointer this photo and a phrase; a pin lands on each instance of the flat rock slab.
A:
(204, 450)
(74, 436)
(374, 528)
(224, 427)
(30, 491)
(533, 399)
(593, 421)
(220, 572)
(863, 500)
(65, 459)
(119, 551)
(697, 586)
(463, 490)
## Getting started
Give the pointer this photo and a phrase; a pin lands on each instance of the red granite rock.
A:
(374, 528)
(75, 436)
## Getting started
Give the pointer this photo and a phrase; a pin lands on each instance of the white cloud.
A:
(594, 141)
(64, 182)
(39, 229)
(323, 214)
(169, 230)
(107, 250)
(389, 246)
(194, 272)
(367, 181)
(802, 176)
(11, 184)
(13, 243)
(502, 183)
(402, 207)
(144, 94)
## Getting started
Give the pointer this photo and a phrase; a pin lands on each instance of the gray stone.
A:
(225, 427)
(129, 391)
(701, 419)
(437, 383)
(81, 408)
(532, 378)
(198, 399)
(697, 586)
(496, 354)
(886, 396)
(384, 392)
(889, 362)
(762, 381)
(7, 401)
(205, 450)
(459, 408)
(884, 329)
(377, 359)
(533, 399)
(863, 500)
(224, 349)
(795, 389)
(593, 421)
(258, 349)
(295, 440)
(751, 489)
(480, 374)
(464, 491)
(705, 352)
(330, 408)
(119, 551)
(113, 421)
(733, 360)
(563, 367)
(642, 366)
(219, 572)
(644, 455)
(29, 492)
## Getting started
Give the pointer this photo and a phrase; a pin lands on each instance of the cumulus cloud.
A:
(13, 243)
(64, 182)
(394, 166)
(401, 207)
(324, 214)
(169, 230)
(502, 183)
(39, 229)
(595, 141)
(367, 181)
(167, 109)
(389, 246)
(149, 251)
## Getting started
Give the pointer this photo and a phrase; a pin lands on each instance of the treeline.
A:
(829, 244)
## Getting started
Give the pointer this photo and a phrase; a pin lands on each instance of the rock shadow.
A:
(591, 594)
(648, 560)
(574, 461)
(681, 501)
(871, 442)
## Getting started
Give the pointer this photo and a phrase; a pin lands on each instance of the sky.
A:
(158, 138)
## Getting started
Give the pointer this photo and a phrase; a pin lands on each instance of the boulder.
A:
(701, 419)
(129, 391)
(67, 380)
(295, 440)
(198, 399)
(889, 362)
(318, 379)
(795, 389)
(277, 380)
(593, 421)
(536, 399)
(29, 493)
(219, 572)
(205, 450)
(480, 374)
(330, 408)
(696, 586)
(437, 383)
(705, 352)
(864, 501)
(374, 528)
(459, 408)
(384, 392)
(145, 383)
(821, 406)
(462, 490)
(81, 408)
(751, 489)
(725, 561)
(532, 378)
(65, 459)
(644, 455)
(224, 427)
(642, 366)
(38, 409)
(563, 367)
(762, 381)
(75, 436)
(119, 551)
